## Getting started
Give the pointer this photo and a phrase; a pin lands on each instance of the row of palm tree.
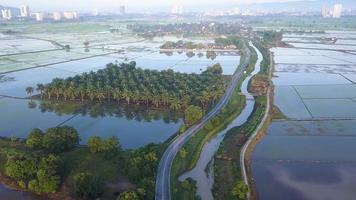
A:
(126, 83)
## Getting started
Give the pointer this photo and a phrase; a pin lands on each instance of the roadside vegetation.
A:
(54, 165)
(228, 183)
(192, 149)
(128, 84)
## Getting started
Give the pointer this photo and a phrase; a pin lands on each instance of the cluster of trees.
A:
(229, 41)
(271, 37)
(35, 172)
(141, 169)
(38, 170)
(180, 44)
(135, 85)
(54, 140)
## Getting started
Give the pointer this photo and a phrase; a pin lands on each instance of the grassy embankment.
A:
(227, 170)
(193, 147)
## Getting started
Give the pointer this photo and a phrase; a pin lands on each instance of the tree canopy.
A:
(126, 83)
(192, 114)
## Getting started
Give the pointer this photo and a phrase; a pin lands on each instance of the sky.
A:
(135, 5)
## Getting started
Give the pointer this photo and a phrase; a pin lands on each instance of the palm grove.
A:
(126, 83)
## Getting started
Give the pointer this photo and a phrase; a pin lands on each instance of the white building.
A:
(57, 16)
(70, 15)
(38, 16)
(122, 10)
(337, 11)
(325, 12)
(6, 14)
(95, 12)
(25, 11)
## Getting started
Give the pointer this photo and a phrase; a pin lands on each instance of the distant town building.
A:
(122, 10)
(70, 15)
(38, 16)
(325, 12)
(6, 14)
(57, 16)
(177, 9)
(337, 11)
(95, 12)
(25, 11)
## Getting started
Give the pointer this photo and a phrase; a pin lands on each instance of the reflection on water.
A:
(127, 123)
(305, 181)
(306, 160)
(8, 194)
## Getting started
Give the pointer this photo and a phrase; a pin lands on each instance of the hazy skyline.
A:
(146, 5)
(107, 5)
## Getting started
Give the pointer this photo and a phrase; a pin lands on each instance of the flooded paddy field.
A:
(306, 160)
(37, 55)
(309, 155)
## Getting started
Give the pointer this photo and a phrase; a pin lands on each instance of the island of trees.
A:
(124, 83)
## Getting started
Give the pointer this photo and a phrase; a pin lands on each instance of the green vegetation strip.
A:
(190, 153)
(228, 182)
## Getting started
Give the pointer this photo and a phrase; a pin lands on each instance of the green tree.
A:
(240, 190)
(29, 91)
(60, 139)
(128, 196)
(34, 140)
(192, 114)
(87, 185)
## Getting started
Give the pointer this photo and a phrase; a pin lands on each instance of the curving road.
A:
(165, 165)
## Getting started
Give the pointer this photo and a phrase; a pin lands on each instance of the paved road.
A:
(165, 165)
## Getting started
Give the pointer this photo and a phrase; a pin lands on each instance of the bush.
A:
(109, 147)
(192, 114)
(87, 185)
(34, 140)
(39, 171)
(128, 196)
(60, 139)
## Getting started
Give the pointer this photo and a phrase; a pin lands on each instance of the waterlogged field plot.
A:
(104, 121)
(289, 78)
(346, 70)
(325, 46)
(321, 141)
(24, 61)
(327, 91)
(323, 80)
(21, 45)
(290, 104)
(331, 108)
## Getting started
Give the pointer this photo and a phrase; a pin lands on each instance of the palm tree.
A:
(40, 88)
(29, 91)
